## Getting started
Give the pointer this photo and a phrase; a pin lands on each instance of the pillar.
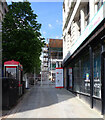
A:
(91, 8)
(82, 19)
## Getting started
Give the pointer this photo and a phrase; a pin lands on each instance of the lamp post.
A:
(51, 68)
(41, 74)
(42, 66)
(34, 75)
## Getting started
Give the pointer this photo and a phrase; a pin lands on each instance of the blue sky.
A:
(50, 16)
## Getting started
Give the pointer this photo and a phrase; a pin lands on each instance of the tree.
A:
(21, 36)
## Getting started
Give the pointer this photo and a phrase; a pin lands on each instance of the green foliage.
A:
(21, 36)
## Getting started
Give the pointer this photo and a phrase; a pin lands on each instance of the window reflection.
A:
(11, 72)
(97, 73)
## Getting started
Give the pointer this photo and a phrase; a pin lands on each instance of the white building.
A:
(3, 9)
(84, 50)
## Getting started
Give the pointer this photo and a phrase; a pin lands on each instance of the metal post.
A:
(41, 67)
(34, 75)
(91, 76)
(51, 68)
(41, 74)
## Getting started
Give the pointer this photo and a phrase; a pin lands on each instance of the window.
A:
(11, 72)
(76, 77)
(99, 4)
(81, 70)
(85, 74)
(97, 72)
(87, 14)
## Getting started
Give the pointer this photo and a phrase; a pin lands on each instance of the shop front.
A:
(85, 68)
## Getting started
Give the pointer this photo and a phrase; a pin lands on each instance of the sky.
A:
(50, 16)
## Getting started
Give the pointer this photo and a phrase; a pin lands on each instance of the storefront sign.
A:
(89, 29)
(59, 77)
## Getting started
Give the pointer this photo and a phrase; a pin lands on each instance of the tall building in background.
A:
(84, 50)
(55, 56)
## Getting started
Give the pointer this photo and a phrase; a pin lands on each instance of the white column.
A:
(91, 8)
(63, 18)
(82, 19)
(96, 8)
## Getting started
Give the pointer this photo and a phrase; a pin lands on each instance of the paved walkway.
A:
(48, 102)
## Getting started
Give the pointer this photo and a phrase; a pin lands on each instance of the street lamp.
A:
(41, 74)
(51, 68)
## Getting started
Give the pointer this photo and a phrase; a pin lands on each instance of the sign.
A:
(59, 77)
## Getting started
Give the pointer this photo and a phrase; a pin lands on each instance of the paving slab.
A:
(46, 101)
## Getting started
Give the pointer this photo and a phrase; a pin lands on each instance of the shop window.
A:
(77, 81)
(85, 74)
(97, 73)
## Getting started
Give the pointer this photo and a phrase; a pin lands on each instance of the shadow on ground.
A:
(41, 96)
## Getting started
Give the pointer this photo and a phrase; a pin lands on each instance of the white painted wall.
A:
(73, 25)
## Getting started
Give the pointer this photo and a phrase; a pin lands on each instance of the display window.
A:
(85, 74)
(97, 72)
(77, 81)
(81, 73)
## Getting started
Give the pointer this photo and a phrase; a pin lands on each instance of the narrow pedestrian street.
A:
(48, 102)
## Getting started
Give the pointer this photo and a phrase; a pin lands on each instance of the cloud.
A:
(59, 22)
(57, 37)
(61, 38)
(50, 26)
(44, 33)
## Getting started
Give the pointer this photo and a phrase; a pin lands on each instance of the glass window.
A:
(11, 72)
(97, 72)
(76, 77)
(53, 66)
(85, 74)
(99, 4)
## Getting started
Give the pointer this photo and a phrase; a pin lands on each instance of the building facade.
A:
(44, 65)
(3, 9)
(84, 50)
(55, 56)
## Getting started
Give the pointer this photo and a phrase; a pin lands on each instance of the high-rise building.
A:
(84, 50)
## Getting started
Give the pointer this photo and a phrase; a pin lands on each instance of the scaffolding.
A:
(55, 54)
